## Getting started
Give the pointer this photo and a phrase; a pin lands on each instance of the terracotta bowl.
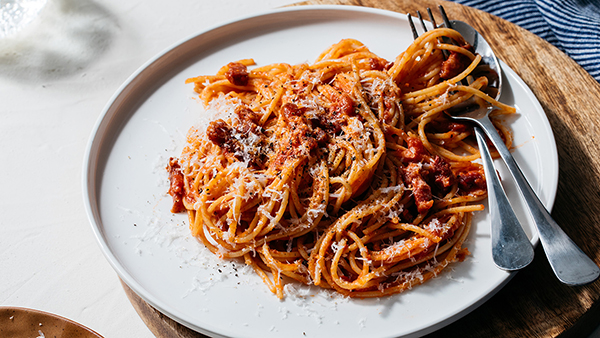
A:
(22, 322)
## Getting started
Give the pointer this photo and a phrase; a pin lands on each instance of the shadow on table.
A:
(66, 38)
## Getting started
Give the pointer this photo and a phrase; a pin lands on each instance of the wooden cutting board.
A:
(533, 303)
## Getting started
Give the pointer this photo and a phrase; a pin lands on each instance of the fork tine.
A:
(445, 52)
(431, 18)
(444, 17)
(447, 23)
(412, 27)
(422, 22)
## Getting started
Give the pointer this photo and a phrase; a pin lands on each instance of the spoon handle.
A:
(511, 249)
(569, 262)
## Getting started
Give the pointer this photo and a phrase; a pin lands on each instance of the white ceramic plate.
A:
(145, 123)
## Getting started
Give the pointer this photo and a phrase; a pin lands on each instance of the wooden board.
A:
(534, 303)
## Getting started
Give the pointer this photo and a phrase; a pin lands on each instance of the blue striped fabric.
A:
(571, 25)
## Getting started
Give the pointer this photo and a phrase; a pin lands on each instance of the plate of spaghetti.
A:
(294, 174)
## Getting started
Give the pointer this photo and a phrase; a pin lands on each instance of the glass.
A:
(17, 14)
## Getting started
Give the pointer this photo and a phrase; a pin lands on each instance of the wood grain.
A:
(534, 303)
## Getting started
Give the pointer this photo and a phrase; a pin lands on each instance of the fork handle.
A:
(569, 263)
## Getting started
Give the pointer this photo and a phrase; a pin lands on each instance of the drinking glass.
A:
(17, 14)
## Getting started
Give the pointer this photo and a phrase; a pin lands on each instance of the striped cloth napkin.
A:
(571, 25)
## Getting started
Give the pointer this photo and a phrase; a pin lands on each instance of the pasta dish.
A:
(344, 173)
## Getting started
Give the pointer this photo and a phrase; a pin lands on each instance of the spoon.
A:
(569, 263)
(511, 248)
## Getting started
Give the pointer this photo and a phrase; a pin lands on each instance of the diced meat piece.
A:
(379, 64)
(415, 150)
(471, 180)
(219, 133)
(245, 142)
(247, 121)
(455, 64)
(422, 193)
(176, 187)
(445, 125)
(413, 179)
(332, 124)
(237, 74)
(343, 104)
(247, 114)
(289, 109)
(320, 136)
(442, 173)
(458, 127)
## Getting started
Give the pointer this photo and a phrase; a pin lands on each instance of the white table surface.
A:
(54, 82)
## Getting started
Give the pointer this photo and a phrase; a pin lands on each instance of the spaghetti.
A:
(345, 173)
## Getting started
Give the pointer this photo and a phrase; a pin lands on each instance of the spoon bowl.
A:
(489, 66)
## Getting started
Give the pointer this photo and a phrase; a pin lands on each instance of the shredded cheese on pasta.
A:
(345, 173)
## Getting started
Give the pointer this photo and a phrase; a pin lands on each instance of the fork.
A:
(569, 263)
